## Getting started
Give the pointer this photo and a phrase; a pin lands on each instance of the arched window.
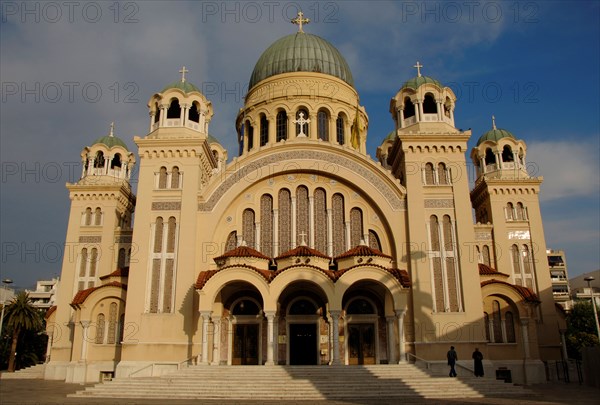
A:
(231, 242)
(442, 174)
(374, 242)
(175, 177)
(497, 322)
(285, 220)
(248, 227)
(194, 113)
(516, 261)
(339, 236)
(409, 108)
(323, 125)
(282, 126)
(121, 329)
(121, 258)
(510, 212)
(356, 226)
(112, 324)
(250, 130)
(116, 161)
(83, 263)
(490, 157)
(321, 220)
(99, 160)
(156, 113)
(302, 116)
(100, 329)
(88, 216)
(486, 326)
(339, 129)
(302, 307)
(98, 217)
(174, 110)
(302, 217)
(158, 235)
(520, 211)
(438, 278)
(429, 104)
(93, 264)
(509, 326)
(162, 177)
(450, 265)
(486, 256)
(429, 176)
(507, 154)
(264, 130)
(163, 265)
(266, 224)
(360, 306)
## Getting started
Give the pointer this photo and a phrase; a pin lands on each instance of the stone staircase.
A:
(29, 373)
(302, 383)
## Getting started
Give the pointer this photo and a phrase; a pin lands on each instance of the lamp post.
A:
(589, 282)
(5, 281)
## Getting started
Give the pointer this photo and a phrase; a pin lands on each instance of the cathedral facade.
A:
(303, 249)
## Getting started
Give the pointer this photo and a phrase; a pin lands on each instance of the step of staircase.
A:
(296, 383)
(30, 373)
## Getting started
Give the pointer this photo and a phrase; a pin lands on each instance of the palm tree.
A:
(21, 315)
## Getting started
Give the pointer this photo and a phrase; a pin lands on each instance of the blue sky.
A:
(67, 73)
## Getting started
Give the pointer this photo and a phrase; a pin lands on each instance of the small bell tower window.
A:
(507, 154)
(194, 115)
(174, 110)
(429, 104)
(490, 158)
(409, 108)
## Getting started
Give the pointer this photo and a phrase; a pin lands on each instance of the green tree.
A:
(581, 328)
(21, 316)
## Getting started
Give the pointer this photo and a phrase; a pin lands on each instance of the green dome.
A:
(111, 141)
(418, 81)
(495, 135)
(390, 137)
(186, 87)
(301, 52)
(212, 139)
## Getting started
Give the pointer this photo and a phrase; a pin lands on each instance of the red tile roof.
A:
(119, 272)
(50, 311)
(526, 293)
(302, 251)
(485, 270)
(82, 295)
(362, 250)
(242, 251)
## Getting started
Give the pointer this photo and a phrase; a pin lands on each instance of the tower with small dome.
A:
(302, 249)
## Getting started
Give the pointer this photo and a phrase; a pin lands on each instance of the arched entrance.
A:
(302, 306)
(246, 320)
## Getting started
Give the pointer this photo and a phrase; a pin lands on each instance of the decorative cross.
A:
(493, 122)
(301, 121)
(112, 129)
(303, 238)
(300, 20)
(183, 71)
(418, 66)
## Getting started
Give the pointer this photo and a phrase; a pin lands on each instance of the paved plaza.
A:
(17, 392)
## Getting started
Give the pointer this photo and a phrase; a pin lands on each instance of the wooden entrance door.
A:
(245, 344)
(361, 343)
(303, 343)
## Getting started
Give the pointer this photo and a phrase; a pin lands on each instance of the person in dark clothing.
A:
(452, 357)
(478, 363)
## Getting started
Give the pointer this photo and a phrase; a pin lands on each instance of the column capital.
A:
(270, 314)
(85, 324)
(335, 313)
(400, 313)
(205, 314)
(524, 321)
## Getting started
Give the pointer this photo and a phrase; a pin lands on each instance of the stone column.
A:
(291, 127)
(401, 121)
(84, 339)
(163, 115)
(330, 232)
(216, 340)
(400, 315)
(312, 127)
(525, 333)
(390, 339)
(272, 135)
(205, 322)
(420, 111)
(270, 338)
(184, 113)
(293, 236)
(335, 317)
(152, 115)
(256, 236)
(332, 130)
(348, 235)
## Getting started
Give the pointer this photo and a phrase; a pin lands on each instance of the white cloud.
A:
(570, 169)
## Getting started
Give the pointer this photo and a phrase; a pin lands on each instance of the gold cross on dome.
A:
(183, 71)
(418, 66)
(300, 20)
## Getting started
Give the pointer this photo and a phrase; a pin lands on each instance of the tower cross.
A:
(183, 71)
(493, 122)
(301, 121)
(300, 20)
(418, 66)
(303, 238)
(112, 129)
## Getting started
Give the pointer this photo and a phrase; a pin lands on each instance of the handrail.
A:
(188, 360)
(143, 368)
(151, 365)
(427, 363)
